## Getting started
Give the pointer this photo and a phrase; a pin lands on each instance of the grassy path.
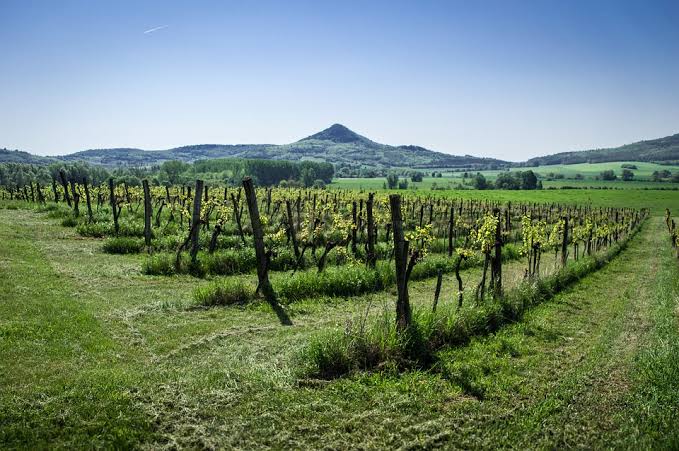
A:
(95, 354)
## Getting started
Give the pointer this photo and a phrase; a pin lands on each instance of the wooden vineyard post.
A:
(497, 260)
(90, 215)
(195, 221)
(258, 235)
(451, 225)
(291, 229)
(437, 292)
(54, 191)
(76, 199)
(64, 184)
(236, 214)
(354, 249)
(564, 243)
(114, 207)
(371, 230)
(401, 259)
(41, 197)
(147, 214)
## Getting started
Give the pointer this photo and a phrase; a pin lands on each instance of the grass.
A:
(228, 292)
(376, 344)
(123, 245)
(96, 354)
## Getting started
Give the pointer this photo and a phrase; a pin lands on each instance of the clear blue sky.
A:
(508, 79)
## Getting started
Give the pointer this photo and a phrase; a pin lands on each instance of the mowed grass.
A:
(95, 354)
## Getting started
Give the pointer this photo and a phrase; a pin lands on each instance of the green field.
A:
(95, 354)
(589, 172)
(656, 200)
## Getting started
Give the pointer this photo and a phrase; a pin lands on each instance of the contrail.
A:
(156, 29)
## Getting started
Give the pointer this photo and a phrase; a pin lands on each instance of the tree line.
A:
(227, 171)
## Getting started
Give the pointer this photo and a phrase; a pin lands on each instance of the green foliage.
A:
(159, 265)
(333, 281)
(69, 221)
(480, 182)
(608, 175)
(123, 245)
(227, 292)
(230, 261)
(392, 180)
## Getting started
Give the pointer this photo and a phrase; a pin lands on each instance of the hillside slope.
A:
(18, 156)
(665, 150)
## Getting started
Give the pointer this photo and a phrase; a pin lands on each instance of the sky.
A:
(507, 79)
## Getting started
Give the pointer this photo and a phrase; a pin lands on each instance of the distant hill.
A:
(344, 148)
(139, 157)
(18, 156)
(661, 150)
(336, 144)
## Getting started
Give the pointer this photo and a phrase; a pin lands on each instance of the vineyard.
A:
(398, 286)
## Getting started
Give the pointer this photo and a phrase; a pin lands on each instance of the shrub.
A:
(334, 281)
(95, 229)
(230, 262)
(123, 245)
(164, 265)
(69, 221)
(226, 292)
(159, 265)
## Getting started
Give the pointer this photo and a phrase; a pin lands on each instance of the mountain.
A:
(336, 144)
(662, 150)
(338, 133)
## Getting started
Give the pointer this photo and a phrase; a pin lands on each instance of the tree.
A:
(627, 175)
(528, 180)
(308, 176)
(505, 180)
(173, 170)
(416, 176)
(392, 180)
(480, 181)
(608, 175)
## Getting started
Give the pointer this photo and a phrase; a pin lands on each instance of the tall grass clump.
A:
(363, 346)
(159, 265)
(334, 281)
(236, 261)
(123, 245)
(94, 229)
(225, 292)
(69, 221)
(164, 264)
